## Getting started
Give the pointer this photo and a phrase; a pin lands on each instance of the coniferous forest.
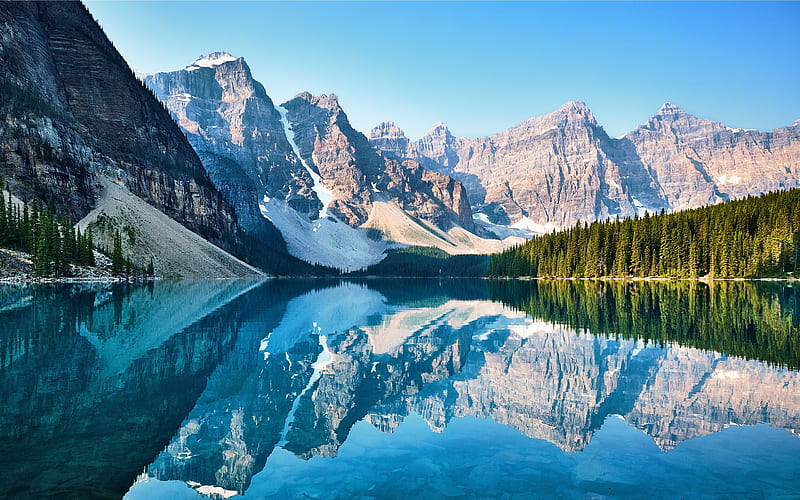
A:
(52, 242)
(752, 237)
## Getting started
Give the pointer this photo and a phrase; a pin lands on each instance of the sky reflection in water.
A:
(395, 389)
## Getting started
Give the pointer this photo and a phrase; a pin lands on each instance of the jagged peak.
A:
(573, 110)
(438, 128)
(386, 129)
(328, 101)
(669, 109)
(212, 60)
(574, 106)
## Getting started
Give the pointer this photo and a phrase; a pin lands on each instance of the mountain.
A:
(698, 162)
(552, 171)
(301, 168)
(79, 130)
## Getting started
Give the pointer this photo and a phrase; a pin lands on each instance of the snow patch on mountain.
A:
(641, 209)
(535, 227)
(211, 60)
(324, 194)
(324, 241)
(729, 179)
(501, 231)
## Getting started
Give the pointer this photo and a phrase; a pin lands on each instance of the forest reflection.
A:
(755, 320)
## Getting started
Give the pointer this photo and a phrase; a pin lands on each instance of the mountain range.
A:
(80, 133)
(218, 180)
(552, 171)
(303, 167)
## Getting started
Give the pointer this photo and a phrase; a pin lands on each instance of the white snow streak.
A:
(323, 193)
(526, 223)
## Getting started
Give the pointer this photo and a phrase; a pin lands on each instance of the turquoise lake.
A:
(400, 389)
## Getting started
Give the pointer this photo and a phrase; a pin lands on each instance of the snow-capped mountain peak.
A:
(211, 60)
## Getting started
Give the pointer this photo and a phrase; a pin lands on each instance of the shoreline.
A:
(631, 279)
(71, 280)
(141, 279)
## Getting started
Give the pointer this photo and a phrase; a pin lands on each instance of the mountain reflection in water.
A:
(385, 389)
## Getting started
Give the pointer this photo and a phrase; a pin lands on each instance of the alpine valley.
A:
(210, 294)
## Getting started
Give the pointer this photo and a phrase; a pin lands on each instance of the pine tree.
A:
(752, 237)
(117, 259)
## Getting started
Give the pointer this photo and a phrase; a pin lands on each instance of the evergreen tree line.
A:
(755, 236)
(752, 320)
(426, 262)
(52, 242)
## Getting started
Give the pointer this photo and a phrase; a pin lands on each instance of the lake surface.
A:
(400, 389)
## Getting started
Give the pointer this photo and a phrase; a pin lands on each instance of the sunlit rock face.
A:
(562, 167)
(697, 161)
(73, 114)
(228, 115)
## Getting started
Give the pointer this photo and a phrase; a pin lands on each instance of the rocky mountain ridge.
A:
(76, 119)
(560, 168)
(303, 167)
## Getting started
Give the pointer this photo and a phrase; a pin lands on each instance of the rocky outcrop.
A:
(357, 173)
(227, 114)
(698, 162)
(74, 112)
(550, 169)
(562, 167)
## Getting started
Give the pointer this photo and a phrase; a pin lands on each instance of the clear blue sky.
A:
(481, 67)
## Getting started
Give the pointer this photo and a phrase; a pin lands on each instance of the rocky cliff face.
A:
(304, 153)
(561, 168)
(227, 115)
(74, 112)
(358, 173)
(697, 162)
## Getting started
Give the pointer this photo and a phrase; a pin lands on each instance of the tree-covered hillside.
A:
(53, 243)
(756, 236)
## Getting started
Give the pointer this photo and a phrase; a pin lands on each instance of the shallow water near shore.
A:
(399, 388)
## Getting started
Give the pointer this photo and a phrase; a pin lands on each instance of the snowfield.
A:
(325, 241)
(211, 60)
